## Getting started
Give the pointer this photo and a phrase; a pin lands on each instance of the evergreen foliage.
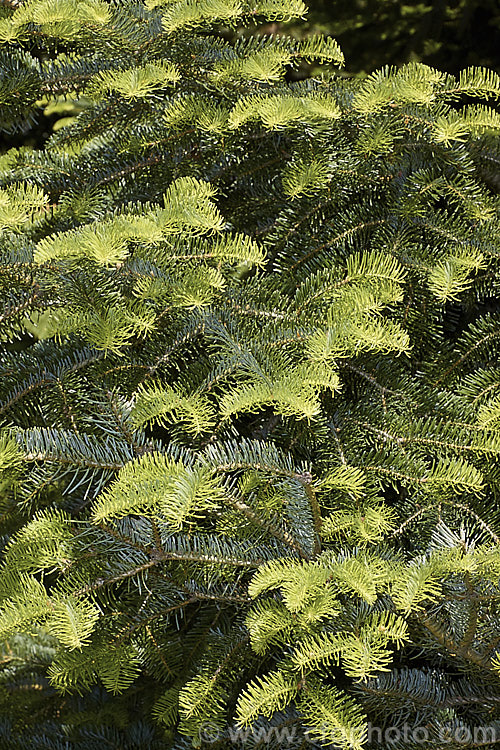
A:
(249, 395)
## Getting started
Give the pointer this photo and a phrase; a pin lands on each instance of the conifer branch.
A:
(454, 649)
(249, 413)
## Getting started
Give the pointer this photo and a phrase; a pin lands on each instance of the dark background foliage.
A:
(449, 35)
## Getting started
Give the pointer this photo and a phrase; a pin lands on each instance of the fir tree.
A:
(249, 396)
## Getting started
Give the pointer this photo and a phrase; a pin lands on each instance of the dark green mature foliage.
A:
(249, 395)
